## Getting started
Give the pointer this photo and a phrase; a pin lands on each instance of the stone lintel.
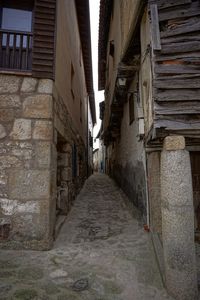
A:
(173, 143)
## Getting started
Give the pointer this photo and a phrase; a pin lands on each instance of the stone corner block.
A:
(43, 130)
(43, 154)
(38, 106)
(45, 86)
(29, 184)
(21, 129)
(28, 85)
(173, 143)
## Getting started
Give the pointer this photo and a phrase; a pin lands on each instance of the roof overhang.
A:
(106, 7)
(83, 15)
(104, 25)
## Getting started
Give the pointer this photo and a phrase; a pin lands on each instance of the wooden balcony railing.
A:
(15, 50)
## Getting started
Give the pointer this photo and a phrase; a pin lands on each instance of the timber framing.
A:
(176, 68)
(175, 56)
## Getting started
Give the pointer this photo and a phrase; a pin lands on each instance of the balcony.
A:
(15, 51)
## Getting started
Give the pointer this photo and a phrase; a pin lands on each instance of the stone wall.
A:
(26, 133)
(127, 160)
(66, 133)
(131, 179)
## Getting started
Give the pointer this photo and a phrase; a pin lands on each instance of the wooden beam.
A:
(155, 30)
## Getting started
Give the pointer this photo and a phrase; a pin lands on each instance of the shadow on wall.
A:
(131, 180)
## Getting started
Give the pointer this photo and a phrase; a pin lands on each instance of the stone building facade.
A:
(148, 68)
(44, 131)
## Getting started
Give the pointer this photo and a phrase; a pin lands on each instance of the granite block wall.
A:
(37, 136)
(26, 133)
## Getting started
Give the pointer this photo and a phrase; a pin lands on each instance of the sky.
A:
(94, 23)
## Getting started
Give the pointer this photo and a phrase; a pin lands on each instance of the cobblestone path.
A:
(102, 253)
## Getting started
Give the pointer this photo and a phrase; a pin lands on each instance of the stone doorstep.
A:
(158, 249)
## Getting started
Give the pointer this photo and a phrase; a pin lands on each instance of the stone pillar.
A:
(178, 220)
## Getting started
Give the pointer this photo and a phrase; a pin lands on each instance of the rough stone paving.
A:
(101, 253)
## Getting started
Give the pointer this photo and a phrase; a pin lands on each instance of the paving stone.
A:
(5, 274)
(30, 273)
(26, 294)
(58, 273)
(51, 288)
(5, 288)
(101, 248)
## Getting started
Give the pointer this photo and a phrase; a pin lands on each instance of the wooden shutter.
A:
(44, 38)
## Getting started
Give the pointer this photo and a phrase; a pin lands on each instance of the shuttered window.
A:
(44, 38)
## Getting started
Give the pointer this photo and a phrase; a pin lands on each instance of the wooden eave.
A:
(120, 95)
(83, 15)
(104, 25)
(133, 40)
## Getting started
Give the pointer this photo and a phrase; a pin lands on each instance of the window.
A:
(16, 34)
(16, 19)
(131, 109)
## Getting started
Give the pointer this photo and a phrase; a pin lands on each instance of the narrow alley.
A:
(101, 253)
